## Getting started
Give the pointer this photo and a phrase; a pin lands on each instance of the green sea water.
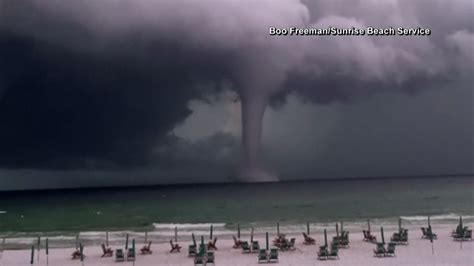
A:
(246, 204)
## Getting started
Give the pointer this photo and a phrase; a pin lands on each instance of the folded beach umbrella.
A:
(202, 240)
(238, 231)
(175, 234)
(194, 239)
(133, 244)
(266, 240)
(429, 221)
(77, 241)
(47, 251)
(32, 260)
(81, 250)
(126, 242)
(460, 222)
(307, 227)
(342, 226)
(337, 229)
(325, 238)
(107, 239)
(210, 235)
(381, 233)
(368, 224)
(146, 237)
(251, 235)
(3, 248)
(39, 246)
(278, 229)
(399, 224)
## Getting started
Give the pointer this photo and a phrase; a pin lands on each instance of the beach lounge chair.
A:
(428, 233)
(146, 250)
(292, 244)
(308, 240)
(131, 254)
(379, 251)
(106, 252)
(76, 255)
(199, 260)
(255, 247)
(334, 253)
(119, 256)
(369, 237)
(400, 238)
(212, 244)
(344, 240)
(237, 242)
(210, 259)
(246, 247)
(262, 256)
(323, 253)
(174, 247)
(284, 244)
(273, 255)
(192, 250)
(390, 250)
(467, 235)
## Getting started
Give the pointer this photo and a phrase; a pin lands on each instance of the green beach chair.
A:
(199, 260)
(255, 247)
(210, 259)
(273, 255)
(192, 250)
(390, 249)
(323, 253)
(292, 244)
(119, 256)
(334, 253)
(379, 251)
(131, 254)
(246, 247)
(262, 256)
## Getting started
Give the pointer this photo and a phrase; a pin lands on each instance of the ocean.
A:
(61, 214)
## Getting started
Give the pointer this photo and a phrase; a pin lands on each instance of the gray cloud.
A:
(106, 81)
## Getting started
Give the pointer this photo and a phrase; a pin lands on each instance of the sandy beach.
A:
(418, 252)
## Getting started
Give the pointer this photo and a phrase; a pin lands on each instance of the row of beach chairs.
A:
(462, 233)
(380, 250)
(324, 253)
(267, 257)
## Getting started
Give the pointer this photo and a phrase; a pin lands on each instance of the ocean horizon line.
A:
(238, 183)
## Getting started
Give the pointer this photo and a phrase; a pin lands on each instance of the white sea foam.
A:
(3, 212)
(449, 216)
(188, 226)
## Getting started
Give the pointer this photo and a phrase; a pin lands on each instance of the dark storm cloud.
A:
(105, 81)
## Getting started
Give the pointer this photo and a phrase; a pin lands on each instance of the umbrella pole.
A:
(32, 254)
(47, 251)
(251, 236)
(176, 234)
(307, 227)
(39, 244)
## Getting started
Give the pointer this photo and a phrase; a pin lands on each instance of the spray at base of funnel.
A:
(253, 109)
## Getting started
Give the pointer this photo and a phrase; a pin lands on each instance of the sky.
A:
(113, 92)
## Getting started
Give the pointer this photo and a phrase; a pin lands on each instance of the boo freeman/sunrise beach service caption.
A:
(353, 31)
